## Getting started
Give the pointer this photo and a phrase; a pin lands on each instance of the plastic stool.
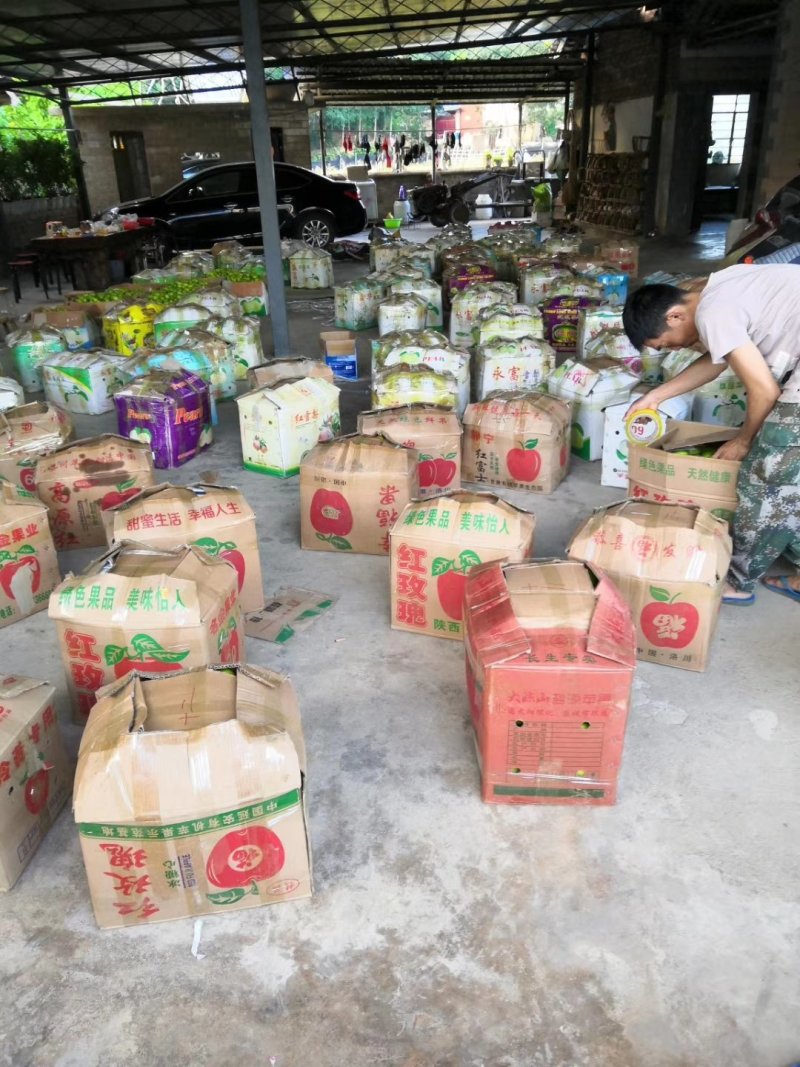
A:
(26, 263)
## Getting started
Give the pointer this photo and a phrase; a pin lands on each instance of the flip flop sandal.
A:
(741, 601)
(782, 588)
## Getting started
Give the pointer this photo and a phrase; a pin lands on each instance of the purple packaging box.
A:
(560, 317)
(169, 411)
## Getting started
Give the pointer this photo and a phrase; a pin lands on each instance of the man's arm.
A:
(696, 374)
(763, 391)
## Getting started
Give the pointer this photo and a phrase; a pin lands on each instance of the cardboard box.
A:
(434, 432)
(467, 304)
(614, 344)
(352, 492)
(614, 461)
(560, 315)
(35, 773)
(723, 401)
(657, 473)
(436, 542)
(251, 296)
(669, 563)
(340, 353)
(590, 389)
(355, 305)
(427, 348)
(178, 318)
(147, 609)
(550, 658)
(593, 320)
(287, 369)
(402, 311)
(216, 518)
(28, 562)
(12, 394)
(84, 382)
(429, 291)
(128, 327)
(29, 348)
(234, 836)
(78, 481)
(280, 425)
(520, 440)
(26, 433)
(244, 337)
(311, 268)
(523, 364)
(72, 321)
(507, 322)
(170, 413)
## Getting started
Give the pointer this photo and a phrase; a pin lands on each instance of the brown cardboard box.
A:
(26, 433)
(550, 658)
(352, 490)
(279, 370)
(78, 481)
(148, 609)
(434, 432)
(669, 563)
(35, 774)
(656, 473)
(216, 518)
(520, 440)
(162, 841)
(436, 542)
(28, 562)
(337, 343)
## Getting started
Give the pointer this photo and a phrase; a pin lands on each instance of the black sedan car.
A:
(221, 202)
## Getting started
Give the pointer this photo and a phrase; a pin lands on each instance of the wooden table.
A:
(91, 256)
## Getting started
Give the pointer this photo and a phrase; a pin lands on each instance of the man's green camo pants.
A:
(767, 520)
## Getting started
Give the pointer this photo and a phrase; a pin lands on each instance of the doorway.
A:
(130, 164)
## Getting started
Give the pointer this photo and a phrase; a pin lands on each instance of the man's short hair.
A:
(645, 314)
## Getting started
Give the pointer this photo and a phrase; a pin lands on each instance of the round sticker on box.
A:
(644, 426)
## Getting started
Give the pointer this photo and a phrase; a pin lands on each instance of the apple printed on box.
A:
(28, 562)
(232, 837)
(26, 433)
(520, 440)
(79, 480)
(148, 609)
(669, 564)
(35, 771)
(436, 542)
(352, 491)
(215, 518)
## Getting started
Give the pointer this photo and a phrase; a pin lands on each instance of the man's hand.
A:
(649, 400)
(735, 449)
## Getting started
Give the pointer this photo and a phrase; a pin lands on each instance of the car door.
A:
(210, 207)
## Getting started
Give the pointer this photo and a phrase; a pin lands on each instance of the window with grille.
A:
(728, 128)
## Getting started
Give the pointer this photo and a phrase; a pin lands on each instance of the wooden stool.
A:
(30, 263)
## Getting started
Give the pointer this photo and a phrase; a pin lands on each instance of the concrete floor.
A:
(661, 932)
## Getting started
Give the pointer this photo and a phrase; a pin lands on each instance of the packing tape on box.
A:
(645, 426)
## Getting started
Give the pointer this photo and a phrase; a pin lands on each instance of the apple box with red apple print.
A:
(550, 657)
(26, 433)
(190, 796)
(352, 491)
(216, 518)
(35, 772)
(78, 481)
(669, 563)
(435, 433)
(520, 440)
(147, 609)
(435, 544)
(28, 562)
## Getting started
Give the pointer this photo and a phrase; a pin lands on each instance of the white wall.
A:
(633, 120)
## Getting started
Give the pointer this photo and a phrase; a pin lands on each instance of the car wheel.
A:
(316, 230)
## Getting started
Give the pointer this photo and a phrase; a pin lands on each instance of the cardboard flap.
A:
(495, 631)
(357, 453)
(551, 594)
(519, 413)
(14, 685)
(12, 499)
(682, 435)
(611, 632)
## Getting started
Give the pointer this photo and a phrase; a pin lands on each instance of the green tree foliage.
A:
(35, 159)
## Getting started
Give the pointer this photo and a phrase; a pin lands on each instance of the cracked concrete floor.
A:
(662, 932)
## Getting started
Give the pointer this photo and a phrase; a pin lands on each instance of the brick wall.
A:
(170, 131)
(780, 154)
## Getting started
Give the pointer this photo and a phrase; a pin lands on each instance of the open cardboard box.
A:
(550, 651)
(162, 841)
